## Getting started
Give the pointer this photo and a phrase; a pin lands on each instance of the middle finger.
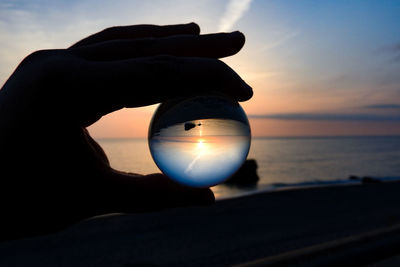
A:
(210, 45)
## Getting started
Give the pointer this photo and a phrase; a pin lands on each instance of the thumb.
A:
(124, 192)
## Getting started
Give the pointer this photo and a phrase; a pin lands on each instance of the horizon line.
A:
(269, 137)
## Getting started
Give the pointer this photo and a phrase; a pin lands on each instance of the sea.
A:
(283, 163)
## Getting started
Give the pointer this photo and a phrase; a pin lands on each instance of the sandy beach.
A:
(355, 224)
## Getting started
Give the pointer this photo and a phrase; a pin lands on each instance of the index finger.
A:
(146, 81)
(108, 86)
(139, 31)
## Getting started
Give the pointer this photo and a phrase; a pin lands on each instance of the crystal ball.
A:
(199, 141)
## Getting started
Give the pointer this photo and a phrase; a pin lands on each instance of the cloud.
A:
(326, 117)
(384, 106)
(280, 39)
(234, 11)
(396, 58)
(393, 50)
(396, 50)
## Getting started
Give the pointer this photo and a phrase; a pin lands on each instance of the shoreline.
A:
(243, 191)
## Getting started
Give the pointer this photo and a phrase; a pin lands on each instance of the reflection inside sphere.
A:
(199, 141)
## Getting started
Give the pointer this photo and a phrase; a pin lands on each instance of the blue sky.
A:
(304, 59)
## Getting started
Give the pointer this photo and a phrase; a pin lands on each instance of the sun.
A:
(200, 144)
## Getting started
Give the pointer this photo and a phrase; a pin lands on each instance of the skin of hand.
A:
(52, 173)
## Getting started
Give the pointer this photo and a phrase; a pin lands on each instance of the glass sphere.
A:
(199, 141)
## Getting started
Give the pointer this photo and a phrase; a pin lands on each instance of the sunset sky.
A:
(316, 67)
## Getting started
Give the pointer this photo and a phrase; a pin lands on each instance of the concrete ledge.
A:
(357, 250)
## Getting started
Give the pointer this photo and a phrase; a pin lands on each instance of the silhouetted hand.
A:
(52, 172)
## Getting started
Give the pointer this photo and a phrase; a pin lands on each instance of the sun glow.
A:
(201, 148)
(200, 144)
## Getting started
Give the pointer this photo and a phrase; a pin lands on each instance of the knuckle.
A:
(111, 30)
(42, 58)
(37, 56)
(38, 63)
(46, 64)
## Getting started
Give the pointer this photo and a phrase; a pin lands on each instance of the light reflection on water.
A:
(200, 160)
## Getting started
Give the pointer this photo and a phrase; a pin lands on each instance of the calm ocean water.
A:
(284, 162)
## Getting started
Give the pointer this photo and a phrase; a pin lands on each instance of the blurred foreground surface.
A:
(231, 232)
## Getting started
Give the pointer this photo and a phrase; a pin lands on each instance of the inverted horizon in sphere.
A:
(199, 152)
